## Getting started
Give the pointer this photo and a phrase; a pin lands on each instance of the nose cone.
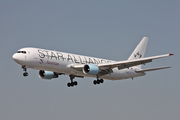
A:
(17, 58)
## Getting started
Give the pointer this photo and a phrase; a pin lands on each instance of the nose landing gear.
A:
(25, 70)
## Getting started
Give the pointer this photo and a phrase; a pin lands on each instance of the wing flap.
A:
(152, 69)
(130, 64)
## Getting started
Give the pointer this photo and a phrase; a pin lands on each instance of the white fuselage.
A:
(60, 62)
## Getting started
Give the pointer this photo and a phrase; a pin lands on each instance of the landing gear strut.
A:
(98, 81)
(72, 83)
(25, 70)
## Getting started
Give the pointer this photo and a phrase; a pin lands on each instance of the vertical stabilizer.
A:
(139, 50)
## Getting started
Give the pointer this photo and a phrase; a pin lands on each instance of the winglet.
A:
(170, 54)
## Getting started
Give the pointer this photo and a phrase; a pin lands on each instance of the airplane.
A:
(51, 64)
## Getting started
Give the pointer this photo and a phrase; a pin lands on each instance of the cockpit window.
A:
(24, 52)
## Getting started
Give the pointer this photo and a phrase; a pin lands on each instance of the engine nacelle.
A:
(91, 69)
(47, 74)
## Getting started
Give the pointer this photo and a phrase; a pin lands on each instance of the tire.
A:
(75, 83)
(98, 81)
(101, 80)
(95, 82)
(72, 84)
(25, 74)
(69, 84)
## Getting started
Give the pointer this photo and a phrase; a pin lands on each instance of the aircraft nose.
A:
(15, 57)
(19, 58)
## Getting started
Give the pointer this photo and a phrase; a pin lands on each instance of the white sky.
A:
(104, 29)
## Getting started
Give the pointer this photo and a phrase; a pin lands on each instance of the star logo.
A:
(137, 55)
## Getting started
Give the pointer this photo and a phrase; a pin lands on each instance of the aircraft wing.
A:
(130, 63)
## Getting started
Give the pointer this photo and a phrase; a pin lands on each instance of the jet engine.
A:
(90, 69)
(47, 74)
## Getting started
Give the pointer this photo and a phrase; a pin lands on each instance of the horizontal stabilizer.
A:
(152, 69)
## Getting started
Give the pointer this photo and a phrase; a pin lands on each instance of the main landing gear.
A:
(25, 70)
(72, 83)
(98, 81)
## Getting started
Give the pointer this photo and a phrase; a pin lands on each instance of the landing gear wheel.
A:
(69, 84)
(72, 83)
(25, 74)
(75, 83)
(94, 82)
(25, 70)
(98, 81)
(101, 80)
